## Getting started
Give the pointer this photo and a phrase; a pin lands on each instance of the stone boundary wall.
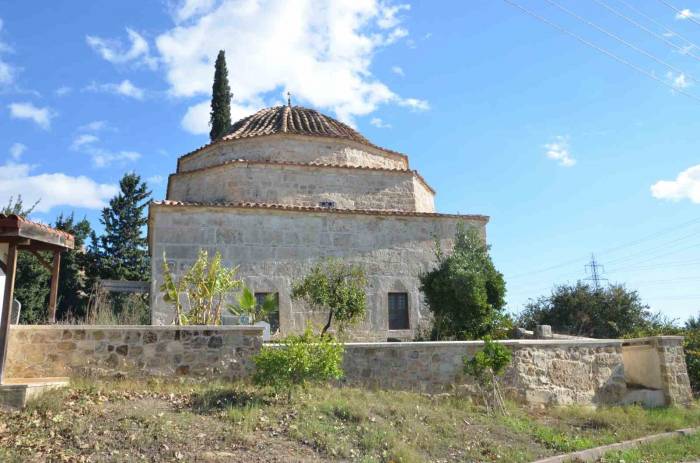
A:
(41, 351)
(553, 372)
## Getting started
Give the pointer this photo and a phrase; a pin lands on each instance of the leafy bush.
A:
(486, 366)
(203, 288)
(465, 292)
(247, 305)
(298, 361)
(336, 287)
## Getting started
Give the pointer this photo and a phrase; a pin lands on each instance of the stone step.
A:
(16, 392)
(649, 398)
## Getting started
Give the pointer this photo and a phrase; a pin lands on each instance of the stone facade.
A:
(287, 187)
(294, 148)
(274, 247)
(303, 185)
(133, 351)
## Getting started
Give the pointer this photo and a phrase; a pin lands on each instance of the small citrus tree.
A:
(198, 296)
(337, 287)
(299, 360)
(486, 367)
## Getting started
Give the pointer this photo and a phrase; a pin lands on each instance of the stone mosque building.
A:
(288, 187)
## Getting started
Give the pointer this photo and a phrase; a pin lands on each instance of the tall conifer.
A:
(122, 248)
(220, 118)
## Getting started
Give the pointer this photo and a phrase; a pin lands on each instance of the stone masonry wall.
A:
(58, 351)
(674, 371)
(294, 148)
(303, 186)
(274, 248)
(541, 372)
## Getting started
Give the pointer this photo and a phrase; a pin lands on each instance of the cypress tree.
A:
(220, 118)
(122, 253)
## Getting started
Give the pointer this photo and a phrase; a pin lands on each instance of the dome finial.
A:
(289, 99)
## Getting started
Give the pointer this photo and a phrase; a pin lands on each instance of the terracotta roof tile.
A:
(295, 120)
(28, 228)
(284, 207)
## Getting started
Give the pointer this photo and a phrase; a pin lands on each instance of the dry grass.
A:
(204, 421)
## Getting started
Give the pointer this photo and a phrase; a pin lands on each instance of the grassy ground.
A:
(685, 448)
(196, 421)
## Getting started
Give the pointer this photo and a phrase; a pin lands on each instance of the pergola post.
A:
(56, 267)
(10, 272)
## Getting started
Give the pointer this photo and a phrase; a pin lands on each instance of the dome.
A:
(292, 120)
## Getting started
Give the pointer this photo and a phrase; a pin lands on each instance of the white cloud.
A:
(558, 150)
(196, 119)
(82, 140)
(379, 123)
(41, 116)
(679, 81)
(124, 88)
(398, 70)
(155, 180)
(685, 186)
(17, 150)
(320, 51)
(94, 126)
(115, 52)
(7, 71)
(687, 14)
(63, 90)
(55, 189)
(104, 158)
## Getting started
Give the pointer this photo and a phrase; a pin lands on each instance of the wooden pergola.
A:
(19, 234)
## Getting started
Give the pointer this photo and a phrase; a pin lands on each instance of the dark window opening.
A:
(327, 204)
(398, 311)
(273, 318)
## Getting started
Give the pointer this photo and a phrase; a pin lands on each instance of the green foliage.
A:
(465, 292)
(198, 296)
(489, 362)
(582, 310)
(336, 287)
(299, 360)
(220, 116)
(17, 207)
(72, 284)
(247, 305)
(121, 253)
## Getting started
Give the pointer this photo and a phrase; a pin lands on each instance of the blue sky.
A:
(569, 151)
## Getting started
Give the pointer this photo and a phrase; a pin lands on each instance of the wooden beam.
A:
(53, 294)
(6, 313)
(41, 259)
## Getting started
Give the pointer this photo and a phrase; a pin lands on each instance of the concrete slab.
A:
(16, 392)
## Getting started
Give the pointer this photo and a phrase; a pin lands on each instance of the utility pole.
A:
(595, 270)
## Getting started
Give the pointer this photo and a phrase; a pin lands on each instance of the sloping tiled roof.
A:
(294, 120)
(14, 226)
(292, 208)
(303, 164)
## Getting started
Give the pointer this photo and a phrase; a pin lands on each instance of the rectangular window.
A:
(398, 311)
(273, 318)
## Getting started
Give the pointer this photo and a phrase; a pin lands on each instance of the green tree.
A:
(336, 287)
(583, 310)
(486, 367)
(73, 291)
(298, 361)
(220, 117)
(121, 252)
(465, 292)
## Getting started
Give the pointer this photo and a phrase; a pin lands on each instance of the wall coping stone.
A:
(672, 339)
(231, 328)
(507, 342)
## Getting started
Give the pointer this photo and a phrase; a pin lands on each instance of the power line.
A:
(602, 50)
(680, 12)
(595, 270)
(621, 40)
(647, 30)
(654, 21)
